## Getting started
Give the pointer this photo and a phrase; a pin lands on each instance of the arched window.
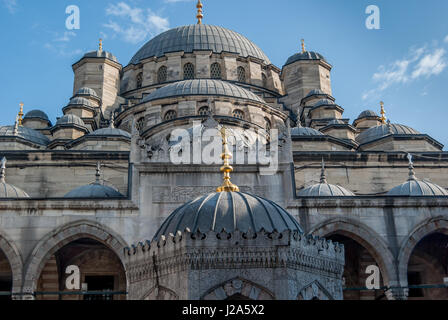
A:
(268, 125)
(188, 71)
(241, 74)
(162, 74)
(265, 80)
(215, 71)
(238, 114)
(140, 124)
(139, 80)
(204, 111)
(170, 115)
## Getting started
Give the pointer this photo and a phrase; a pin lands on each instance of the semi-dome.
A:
(199, 37)
(36, 114)
(110, 132)
(417, 188)
(88, 92)
(367, 114)
(229, 211)
(202, 87)
(384, 130)
(307, 55)
(8, 191)
(305, 131)
(70, 119)
(324, 189)
(25, 133)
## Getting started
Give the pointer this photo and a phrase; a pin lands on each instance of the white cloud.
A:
(134, 24)
(11, 5)
(66, 37)
(430, 64)
(446, 39)
(418, 63)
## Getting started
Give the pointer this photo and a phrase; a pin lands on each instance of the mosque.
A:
(96, 188)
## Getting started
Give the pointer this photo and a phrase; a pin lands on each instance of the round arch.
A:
(15, 261)
(238, 286)
(62, 236)
(422, 230)
(366, 237)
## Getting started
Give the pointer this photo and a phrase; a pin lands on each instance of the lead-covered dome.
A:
(202, 87)
(199, 37)
(8, 191)
(384, 130)
(228, 211)
(36, 114)
(305, 131)
(303, 56)
(25, 133)
(70, 119)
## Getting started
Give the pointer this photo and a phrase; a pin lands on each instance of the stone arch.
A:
(238, 286)
(62, 236)
(314, 291)
(15, 261)
(160, 293)
(422, 230)
(365, 236)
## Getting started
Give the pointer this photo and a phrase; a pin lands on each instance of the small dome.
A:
(80, 101)
(110, 132)
(25, 133)
(36, 114)
(202, 87)
(384, 130)
(94, 191)
(70, 119)
(84, 91)
(8, 191)
(324, 189)
(367, 114)
(323, 102)
(229, 211)
(307, 55)
(199, 37)
(305, 131)
(101, 54)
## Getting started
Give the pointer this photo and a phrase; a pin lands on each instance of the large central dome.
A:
(199, 37)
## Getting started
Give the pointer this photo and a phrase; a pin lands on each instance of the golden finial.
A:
(303, 46)
(101, 45)
(226, 169)
(200, 15)
(21, 113)
(383, 113)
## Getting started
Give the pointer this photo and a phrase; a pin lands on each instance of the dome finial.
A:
(303, 46)
(112, 120)
(100, 47)
(323, 176)
(199, 15)
(20, 113)
(15, 131)
(98, 173)
(411, 168)
(3, 170)
(226, 169)
(383, 113)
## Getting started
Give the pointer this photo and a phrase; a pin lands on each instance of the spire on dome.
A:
(323, 176)
(226, 169)
(112, 121)
(383, 113)
(98, 173)
(199, 15)
(3, 170)
(411, 168)
(303, 46)
(20, 119)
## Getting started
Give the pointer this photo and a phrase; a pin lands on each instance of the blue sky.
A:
(405, 63)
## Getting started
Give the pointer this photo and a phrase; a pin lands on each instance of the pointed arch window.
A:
(189, 71)
(139, 80)
(241, 74)
(170, 115)
(162, 74)
(215, 71)
(239, 114)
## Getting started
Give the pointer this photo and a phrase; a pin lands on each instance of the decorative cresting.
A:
(7, 190)
(416, 187)
(199, 16)
(383, 113)
(226, 169)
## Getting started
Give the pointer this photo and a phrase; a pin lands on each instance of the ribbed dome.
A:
(84, 91)
(325, 190)
(36, 114)
(94, 191)
(111, 132)
(307, 55)
(416, 188)
(8, 191)
(70, 119)
(25, 133)
(202, 87)
(80, 101)
(229, 211)
(199, 37)
(305, 131)
(384, 130)
(367, 114)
